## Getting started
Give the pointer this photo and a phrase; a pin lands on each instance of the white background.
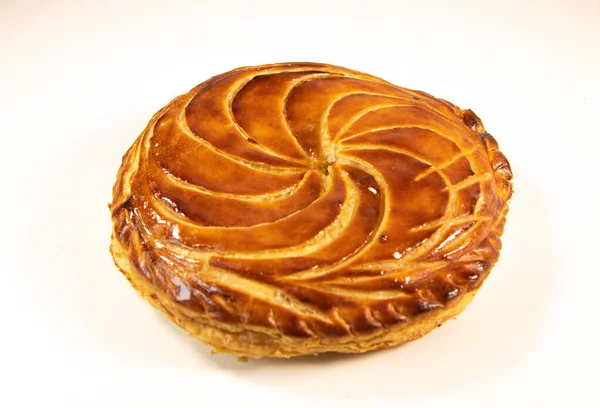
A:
(78, 82)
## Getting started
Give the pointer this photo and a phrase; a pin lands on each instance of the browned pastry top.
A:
(311, 200)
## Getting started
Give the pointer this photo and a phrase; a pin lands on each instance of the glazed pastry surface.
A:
(301, 208)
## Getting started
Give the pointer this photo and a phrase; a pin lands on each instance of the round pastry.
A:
(301, 208)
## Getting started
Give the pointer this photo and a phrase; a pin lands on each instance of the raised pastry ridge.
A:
(308, 204)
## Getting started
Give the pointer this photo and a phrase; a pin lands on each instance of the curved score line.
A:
(445, 164)
(327, 235)
(163, 212)
(183, 125)
(464, 153)
(384, 214)
(429, 110)
(342, 96)
(452, 189)
(449, 214)
(328, 144)
(359, 294)
(454, 222)
(362, 113)
(260, 290)
(193, 225)
(237, 87)
(391, 269)
(165, 208)
(292, 85)
(476, 178)
(266, 197)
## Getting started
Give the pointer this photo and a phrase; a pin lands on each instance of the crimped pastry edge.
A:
(256, 344)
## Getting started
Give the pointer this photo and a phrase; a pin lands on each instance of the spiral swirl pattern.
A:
(309, 201)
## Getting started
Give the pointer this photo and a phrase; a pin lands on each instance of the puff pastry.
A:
(300, 208)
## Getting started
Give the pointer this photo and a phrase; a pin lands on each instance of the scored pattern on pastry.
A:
(311, 200)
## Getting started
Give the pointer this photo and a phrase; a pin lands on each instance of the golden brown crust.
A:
(300, 208)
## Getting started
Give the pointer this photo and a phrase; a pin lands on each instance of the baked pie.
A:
(301, 208)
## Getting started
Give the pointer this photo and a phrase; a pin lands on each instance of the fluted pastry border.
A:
(257, 343)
